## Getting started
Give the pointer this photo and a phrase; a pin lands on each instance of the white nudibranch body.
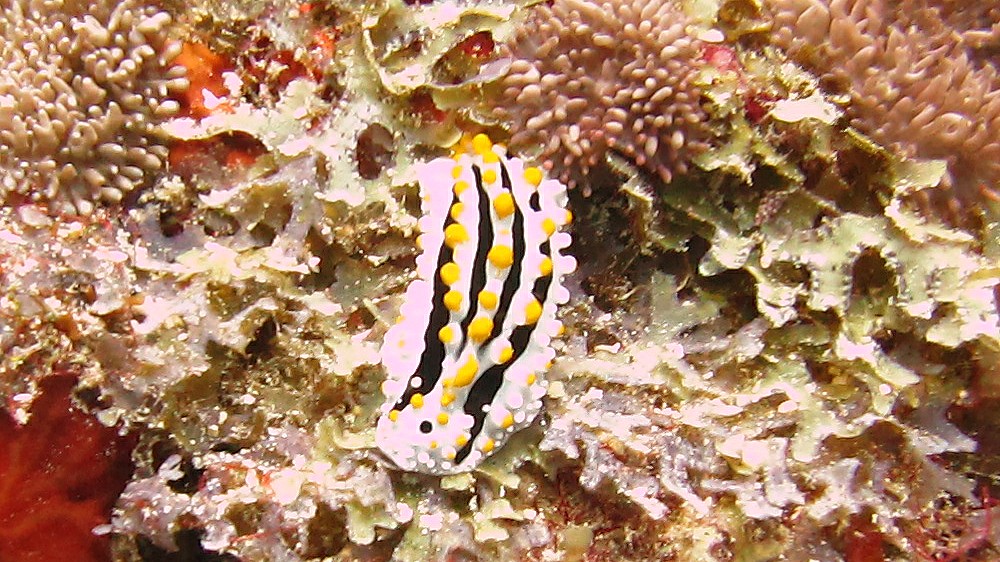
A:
(467, 359)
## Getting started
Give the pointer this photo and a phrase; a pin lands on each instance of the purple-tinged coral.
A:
(82, 87)
(589, 77)
(916, 76)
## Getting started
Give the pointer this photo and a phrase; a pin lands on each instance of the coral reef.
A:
(592, 77)
(248, 502)
(396, 83)
(921, 75)
(82, 88)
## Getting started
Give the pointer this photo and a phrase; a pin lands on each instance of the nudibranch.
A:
(466, 361)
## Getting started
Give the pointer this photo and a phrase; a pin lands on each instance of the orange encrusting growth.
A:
(204, 71)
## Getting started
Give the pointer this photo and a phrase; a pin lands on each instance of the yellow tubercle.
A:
(490, 157)
(393, 415)
(569, 217)
(447, 398)
(467, 372)
(501, 256)
(456, 211)
(533, 176)
(462, 440)
(455, 234)
(456, 172)
(446, 334)
(532, 312)
(489, 176)
(450, 273)
(549, 226)
(505, 355)
(504, 204)
(488, 445)
(452, 299)
(481, 143)
(545, 268)
(508, 421)
(442, 418)
(460, 186)
(480, 329)
(531, 378)
(417, 400)
(488, 299)
(433, 445)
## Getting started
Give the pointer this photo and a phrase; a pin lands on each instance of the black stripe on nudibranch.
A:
(429, 368)
(484, 390)
(513, 279)
(533, 202)
(485, 242)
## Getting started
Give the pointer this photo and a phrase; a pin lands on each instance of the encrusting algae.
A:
(342, 317)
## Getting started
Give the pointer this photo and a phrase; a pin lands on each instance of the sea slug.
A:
(467, 358)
